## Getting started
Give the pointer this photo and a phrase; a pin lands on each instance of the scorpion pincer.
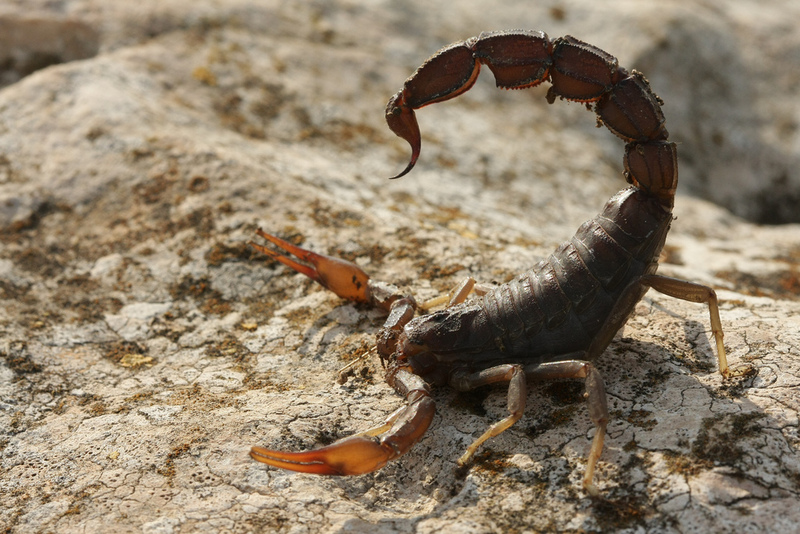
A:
(548, 323)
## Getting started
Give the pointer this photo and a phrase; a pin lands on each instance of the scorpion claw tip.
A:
(354, 455)
(302, 462)
(344, 278)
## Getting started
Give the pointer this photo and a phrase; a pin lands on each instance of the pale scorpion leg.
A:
(517, 393)
(685, 290)
(516, 376)
(458, 294)
(595, 399)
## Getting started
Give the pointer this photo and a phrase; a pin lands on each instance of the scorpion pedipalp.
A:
(353, 455)
(344, 278)
(367, 451)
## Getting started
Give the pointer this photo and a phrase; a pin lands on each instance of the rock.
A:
(145, 347)
(30, 41)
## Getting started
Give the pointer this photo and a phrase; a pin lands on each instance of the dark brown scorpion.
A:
(548, 323)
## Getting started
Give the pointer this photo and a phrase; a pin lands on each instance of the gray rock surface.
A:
(144, 347)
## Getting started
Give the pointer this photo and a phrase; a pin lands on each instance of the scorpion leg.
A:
(685, 290)
(595, 398)
(517, 393)
(367, 451)
(516, 376)
(458, 294)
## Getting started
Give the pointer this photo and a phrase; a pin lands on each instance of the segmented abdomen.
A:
(561, 305)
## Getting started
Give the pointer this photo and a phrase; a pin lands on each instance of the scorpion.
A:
(550, 322)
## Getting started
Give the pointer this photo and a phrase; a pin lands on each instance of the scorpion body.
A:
(561, 306)
(549, 322)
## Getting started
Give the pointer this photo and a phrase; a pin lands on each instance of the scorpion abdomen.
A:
(559, 306)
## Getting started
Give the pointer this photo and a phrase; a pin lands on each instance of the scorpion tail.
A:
(449, 73)
(342, 277)
(403, 122)
(361, 453)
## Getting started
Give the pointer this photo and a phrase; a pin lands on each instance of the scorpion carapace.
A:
(551, 321)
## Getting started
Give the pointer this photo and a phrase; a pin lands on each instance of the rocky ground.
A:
(144, 347)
